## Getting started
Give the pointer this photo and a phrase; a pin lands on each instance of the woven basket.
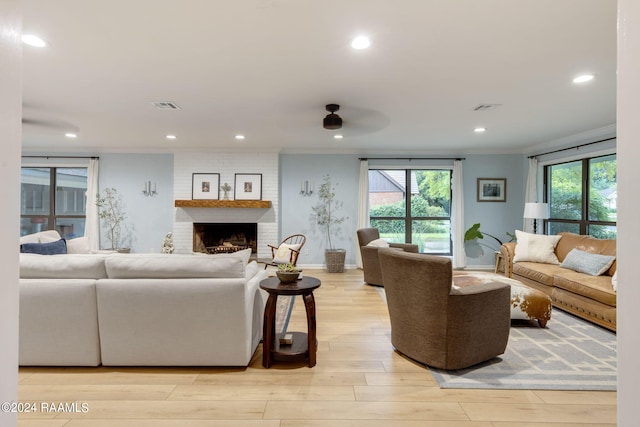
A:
(335, 260)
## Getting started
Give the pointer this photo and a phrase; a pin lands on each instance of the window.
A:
(582, 197)
(62, 209)
(409, 205)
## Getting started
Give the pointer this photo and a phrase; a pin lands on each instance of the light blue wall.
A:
(495, 218)
(149, 217)
(296, 209)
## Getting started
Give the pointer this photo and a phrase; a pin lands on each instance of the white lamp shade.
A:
(536, 210)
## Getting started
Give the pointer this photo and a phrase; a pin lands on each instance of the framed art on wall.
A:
(492, 189)
(248, 186)
(205, 186)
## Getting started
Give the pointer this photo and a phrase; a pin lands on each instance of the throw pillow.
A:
(79, 245)
(614, 281)
(46, 236)
(283, 254)
(536, 248)
(380, 243)
(586, 262)
(54, 248)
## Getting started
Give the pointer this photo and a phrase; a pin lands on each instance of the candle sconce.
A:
(306, 188)
(149, 188)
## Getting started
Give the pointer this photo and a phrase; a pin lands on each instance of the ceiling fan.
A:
(332, 121)
(50, 125)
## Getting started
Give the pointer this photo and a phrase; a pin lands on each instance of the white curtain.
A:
(531, 192)
(363, 204)
(92, 222)
(457, 217)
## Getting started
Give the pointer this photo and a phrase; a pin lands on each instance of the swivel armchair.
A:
(436, 324)
(370, 262)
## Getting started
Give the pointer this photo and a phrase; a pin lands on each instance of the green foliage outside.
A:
(566, 193)
(432, 201)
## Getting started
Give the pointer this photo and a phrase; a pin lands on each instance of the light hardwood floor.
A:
(359, 381)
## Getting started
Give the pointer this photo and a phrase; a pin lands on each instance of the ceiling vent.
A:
(486, 107)
(165, 105)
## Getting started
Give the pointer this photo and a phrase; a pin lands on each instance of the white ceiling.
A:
(266, 69)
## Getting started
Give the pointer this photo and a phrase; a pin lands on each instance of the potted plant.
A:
(287, 273)
(472, 244)
(111, 211)
(325, 216)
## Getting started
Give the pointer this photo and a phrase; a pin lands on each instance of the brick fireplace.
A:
(225, 237)
(227, 164)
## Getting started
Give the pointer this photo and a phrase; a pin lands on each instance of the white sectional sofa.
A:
(139, 310)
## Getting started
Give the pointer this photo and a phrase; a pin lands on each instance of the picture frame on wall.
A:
(248, 186)
(492, 189)
(205, 186)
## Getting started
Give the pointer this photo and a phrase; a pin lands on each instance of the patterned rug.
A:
(569, 354)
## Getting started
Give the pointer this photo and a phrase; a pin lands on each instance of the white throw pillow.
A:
(536, 248)
(46, 236)
(379, 243)
(614, 281)
(79, 245)
(283, 254)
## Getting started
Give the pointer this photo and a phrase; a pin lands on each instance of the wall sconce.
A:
(149, 188)
(306, 188)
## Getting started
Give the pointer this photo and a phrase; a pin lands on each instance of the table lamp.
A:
(536, 211)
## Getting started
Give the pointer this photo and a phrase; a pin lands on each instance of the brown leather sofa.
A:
(589, 297)
(439, 325)
(370, 262)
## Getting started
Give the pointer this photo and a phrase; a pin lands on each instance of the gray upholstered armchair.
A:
(441, 326)
(370, 263)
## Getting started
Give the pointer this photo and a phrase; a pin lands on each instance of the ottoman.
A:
(526, 303)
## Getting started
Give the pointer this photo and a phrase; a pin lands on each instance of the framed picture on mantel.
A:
(492, 189)
(248, 186)
(205, 186)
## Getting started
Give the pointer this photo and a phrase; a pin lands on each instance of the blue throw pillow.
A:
(52, 248)
(586, 262)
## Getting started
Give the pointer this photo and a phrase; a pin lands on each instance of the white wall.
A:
(628, 207)
(10, 114)
(227, 164)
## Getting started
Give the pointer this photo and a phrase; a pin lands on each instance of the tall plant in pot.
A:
(111, 212)
(327, 220)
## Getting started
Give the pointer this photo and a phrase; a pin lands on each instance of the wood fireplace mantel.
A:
(252, 204)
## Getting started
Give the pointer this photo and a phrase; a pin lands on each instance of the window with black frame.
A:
(412, 206)
(582, 197)
(42, 208)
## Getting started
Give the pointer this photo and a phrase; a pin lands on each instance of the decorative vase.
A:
(335, 260)
(287, 276)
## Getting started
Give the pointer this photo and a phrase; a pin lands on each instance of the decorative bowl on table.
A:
(287, 276)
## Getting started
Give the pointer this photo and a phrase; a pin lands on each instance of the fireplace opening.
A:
(225, 237)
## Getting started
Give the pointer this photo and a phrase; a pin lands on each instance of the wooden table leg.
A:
(312, 344)
(268, 329)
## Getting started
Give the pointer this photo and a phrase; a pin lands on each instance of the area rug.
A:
(569, 354)
(284, 307)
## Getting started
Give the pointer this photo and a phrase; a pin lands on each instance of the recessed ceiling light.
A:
(360, 42)
(338, 136)
(33, 40)
(479, 130)
(584, 78)
(70, 135)
(171, 137)
(239, 137)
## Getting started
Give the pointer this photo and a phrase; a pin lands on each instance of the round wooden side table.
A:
(304, 346)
